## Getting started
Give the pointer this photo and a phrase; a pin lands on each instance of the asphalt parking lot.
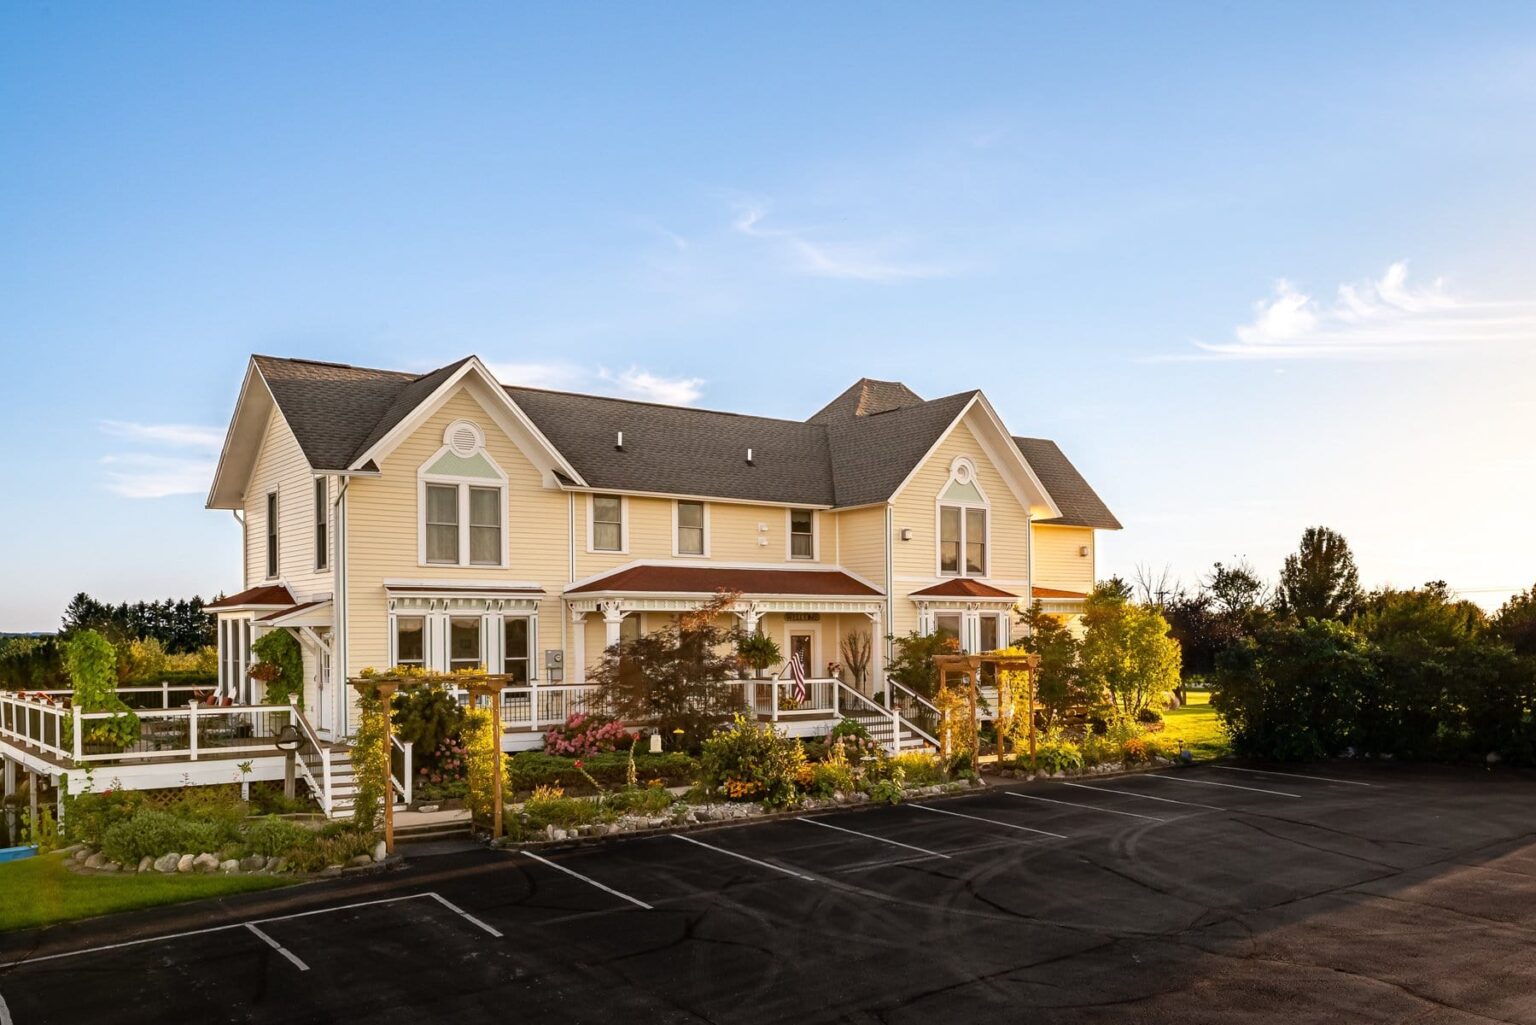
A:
(1356, 893)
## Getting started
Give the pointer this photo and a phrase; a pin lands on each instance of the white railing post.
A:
(78, 715)
(533, 703)
(896, 731)
(774, 712)
(325, 786)
(192, 727)
(165, 694)
(407, 771)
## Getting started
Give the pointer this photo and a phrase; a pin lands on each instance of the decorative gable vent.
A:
(463, 438)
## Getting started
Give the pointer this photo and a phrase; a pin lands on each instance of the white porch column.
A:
(578, 665)
(613, 621)
(970, 630)
(876, 655)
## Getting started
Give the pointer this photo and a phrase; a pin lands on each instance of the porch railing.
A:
(35, 723)
(887, 725)
(313, 759)
(535, 706)
(400, 767)
(774, 698)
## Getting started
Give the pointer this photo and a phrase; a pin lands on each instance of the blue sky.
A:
(1254, 266)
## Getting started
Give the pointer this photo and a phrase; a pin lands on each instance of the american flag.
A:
(798, 673)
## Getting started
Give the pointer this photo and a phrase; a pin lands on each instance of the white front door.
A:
(325, 711)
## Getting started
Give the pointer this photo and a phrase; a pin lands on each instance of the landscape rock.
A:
(112, 866)
(184, 863)
(167, 862)
(146, 863)
(360, 860)
(379, 852)
(331, 870)
(229, 865)
(205, 862)
(82, 852)
(253, 863)
(277, 865)
(600, 830)
(97, 860)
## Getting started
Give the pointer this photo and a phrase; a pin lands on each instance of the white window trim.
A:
(789, 535)
(623, 548)
(499, 483)
(940, 505)
(271, 535)
(970, 625)
(678, 553)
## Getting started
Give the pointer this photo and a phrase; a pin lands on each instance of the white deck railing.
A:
(189, 733)
(774, 698)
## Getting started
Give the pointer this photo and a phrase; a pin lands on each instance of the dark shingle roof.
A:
(1080, 505)
(857, 450)
(682, 451)
(331, 408)
(866, 397)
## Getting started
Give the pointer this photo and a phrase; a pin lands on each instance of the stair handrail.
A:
(897, 720)
(311, 749)
(909, 692)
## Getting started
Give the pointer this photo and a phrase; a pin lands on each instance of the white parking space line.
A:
(269, 941)
(871, 836)
(445, 902)
(1090, 807)
(991, 822)
(1297, 775)
(590, 881)
(210, 929)
(1147, 797)
(1211, 783)
(743, 857)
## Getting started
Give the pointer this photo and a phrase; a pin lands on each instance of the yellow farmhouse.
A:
(445, 520)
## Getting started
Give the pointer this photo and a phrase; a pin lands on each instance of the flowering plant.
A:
(584, 734)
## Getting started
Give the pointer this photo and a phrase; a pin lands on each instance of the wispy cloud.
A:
(859, 262)
(179, 435)
(145, 474)
(1383, 319)
(632, 383)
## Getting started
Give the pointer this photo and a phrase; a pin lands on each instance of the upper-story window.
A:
(607, 534)
(322, 541)
(802, 534)
(272, 534)
(463, 502)
(692, 529)
(963, 528)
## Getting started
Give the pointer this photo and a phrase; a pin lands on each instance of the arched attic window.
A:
(463, 502)
(963, 522)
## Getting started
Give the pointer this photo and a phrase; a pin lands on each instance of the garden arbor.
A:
(958, 705)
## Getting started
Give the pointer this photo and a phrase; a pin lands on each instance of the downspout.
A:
(339, 609)
(1029, 568)
(890, 601)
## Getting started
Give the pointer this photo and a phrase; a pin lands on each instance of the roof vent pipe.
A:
(619, 442)
(749, 457)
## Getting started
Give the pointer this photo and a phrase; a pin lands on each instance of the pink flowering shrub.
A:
(584, 734)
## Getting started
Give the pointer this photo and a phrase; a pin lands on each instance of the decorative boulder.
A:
(205, 862)
(184, 863)
(360, 860)
(252, 863)
(112, 866)
(167, 862)
(146, 863)
(97, 860)
(379, 851)
(229, 865)
(277, 865)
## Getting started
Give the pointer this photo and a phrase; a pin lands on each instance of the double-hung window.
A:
(449, 507)
(464, 643)
(607, 523)
(411, 641)
(322, 540)
(690, 528)
(802, 534)
(515, 648)
(272, 534)
(963, 541)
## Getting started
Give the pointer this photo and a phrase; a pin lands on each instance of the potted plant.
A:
(758, 651)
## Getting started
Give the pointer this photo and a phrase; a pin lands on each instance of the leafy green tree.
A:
(911, 663)
(1127, 650)
(1515, 623)
(675, 678)
(1057, 681)
(1320, 580)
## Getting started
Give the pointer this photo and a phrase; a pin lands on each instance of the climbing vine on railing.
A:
(482, 752)
(370, 761)
(91, 662)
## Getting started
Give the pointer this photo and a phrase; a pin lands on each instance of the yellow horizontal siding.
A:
(1057, 562)
(281, 467)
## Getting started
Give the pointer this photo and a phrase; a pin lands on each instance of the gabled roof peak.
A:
(867, 397)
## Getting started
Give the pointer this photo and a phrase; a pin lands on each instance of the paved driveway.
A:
(1358, 893)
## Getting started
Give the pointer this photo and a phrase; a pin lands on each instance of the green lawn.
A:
(1197, 725)
(41, 891)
